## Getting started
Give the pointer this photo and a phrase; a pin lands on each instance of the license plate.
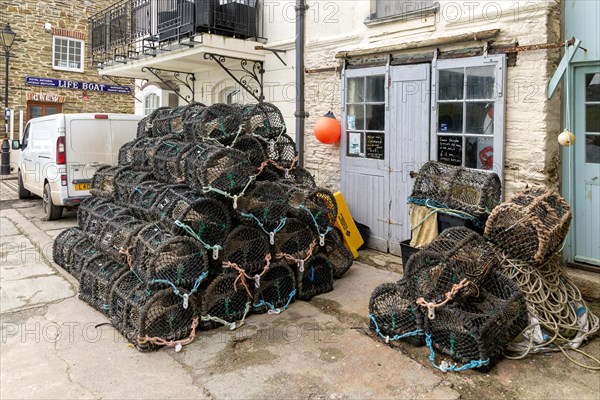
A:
(82, 186)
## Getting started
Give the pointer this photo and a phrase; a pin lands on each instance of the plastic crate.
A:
(407, 250)
(446, 221)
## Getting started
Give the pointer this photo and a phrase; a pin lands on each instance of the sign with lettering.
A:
(450, 150)
(77, 85)
(46, 98)
(375, 145)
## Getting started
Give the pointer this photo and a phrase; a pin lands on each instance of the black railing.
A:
(132, 29)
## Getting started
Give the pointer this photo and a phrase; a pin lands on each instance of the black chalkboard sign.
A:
(375, 147)
(450, 150)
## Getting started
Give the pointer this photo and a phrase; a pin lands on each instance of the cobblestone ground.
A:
(55, 346)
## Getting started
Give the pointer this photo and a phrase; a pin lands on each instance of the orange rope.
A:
(243, 275)
(431, 306)
(298, 261)
(171, 343)
(129, 256)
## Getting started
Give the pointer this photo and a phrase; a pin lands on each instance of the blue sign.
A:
(79, 85)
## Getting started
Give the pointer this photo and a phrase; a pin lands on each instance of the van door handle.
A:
(46, 157)
(27, 159)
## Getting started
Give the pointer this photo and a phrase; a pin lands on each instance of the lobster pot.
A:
(142, 127)
(127, 179)
(338, 254)
(160, 258)
(103, 181)
(282, 151)
(142, 153)
(269, 173)
(481, 328)
(247, 248)
(319, 209)
(208, 220)
(99, 216)
(64, 243)
(252, 148)
(96, 279)
(143, 196)
(219, 122)
(86, 206)
(80, 253)
(222, 301)
(531, 226)
(264, 120)
(126, 153)
(300, 178)
(161, 123)
(191, 114)
(140, 314)
(145, 125)
(176, 121)
(456, 254)
(295, 241)
(167, 160)
(172, 202)
(315, 278)
(117, 235)
(276, 289)
(468, 190)
(265, 206)
(394, 314)
(221, 170)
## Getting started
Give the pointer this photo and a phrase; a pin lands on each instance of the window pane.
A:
(481, 82)
(592, 118)
(376, 89)
(450, 117)
(375, 146)
(592, 149)
(51, 110)
(592, 86)
(450, 84)
(480, 118)
(356, 90)
(450, 149)
(355, 144)
(356, 117)
(35, 111)
(479, 152)
(375, 117)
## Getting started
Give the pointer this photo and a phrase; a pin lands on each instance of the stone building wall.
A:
(31, 55)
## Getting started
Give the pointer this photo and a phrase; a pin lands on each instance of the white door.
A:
(386, 136)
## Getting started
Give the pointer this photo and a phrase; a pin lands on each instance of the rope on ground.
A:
(171, 343)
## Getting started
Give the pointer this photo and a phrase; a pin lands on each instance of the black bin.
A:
(446, 221)
(407, 250)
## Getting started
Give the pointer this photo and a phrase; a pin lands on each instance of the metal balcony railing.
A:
(132, 29)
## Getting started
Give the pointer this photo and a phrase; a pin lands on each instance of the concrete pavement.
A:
(55, 346)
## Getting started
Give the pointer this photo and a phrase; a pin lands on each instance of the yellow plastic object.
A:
(345, 223)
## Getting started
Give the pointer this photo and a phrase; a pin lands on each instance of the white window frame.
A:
(499, 105)
(148, 109)
(81, 53)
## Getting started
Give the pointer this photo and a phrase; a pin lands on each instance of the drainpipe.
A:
(300, 114)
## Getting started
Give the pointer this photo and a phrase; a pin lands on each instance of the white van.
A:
(61, 152)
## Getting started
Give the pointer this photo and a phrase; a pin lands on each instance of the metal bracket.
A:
(274, 51)
(251, 71)
(187, 81)
(113, 80)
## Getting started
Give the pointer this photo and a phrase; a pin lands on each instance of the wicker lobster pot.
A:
(80, 253)
(247, 248)
(264, 120)
(531, 226)
(103, 181)
(223, 300)
(143, 196)
(117, 235)
(219, 122)
(338, 254)
(98, 216)
(64, 243)
(167, 160)
(140, 314)
(315, 278)
(468, 190)
(394, 314)
(96, 279)
(277, 289)
(481, 328)
(161, 259)
(86, 206)
(456, 254)
(126, 179)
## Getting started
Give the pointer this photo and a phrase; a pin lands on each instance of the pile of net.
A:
(206, 219)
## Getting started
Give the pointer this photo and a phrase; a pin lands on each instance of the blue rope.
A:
(216, 248)
(441, 207)
(322, 235)
(444, 366)
(272, 308)
(176, 289)
(416, 332)
(282, 222)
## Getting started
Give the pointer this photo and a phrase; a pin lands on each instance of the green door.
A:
(586, 174)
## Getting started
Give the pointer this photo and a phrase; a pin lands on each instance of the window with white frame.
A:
(151, 103)
(468, 122)
(67, 54)
(385, 9)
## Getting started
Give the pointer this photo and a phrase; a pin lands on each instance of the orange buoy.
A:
(328, 129)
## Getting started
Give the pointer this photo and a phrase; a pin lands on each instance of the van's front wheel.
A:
(23, 193)
(52, 212)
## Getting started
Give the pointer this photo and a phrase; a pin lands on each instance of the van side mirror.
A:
(16, 145)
